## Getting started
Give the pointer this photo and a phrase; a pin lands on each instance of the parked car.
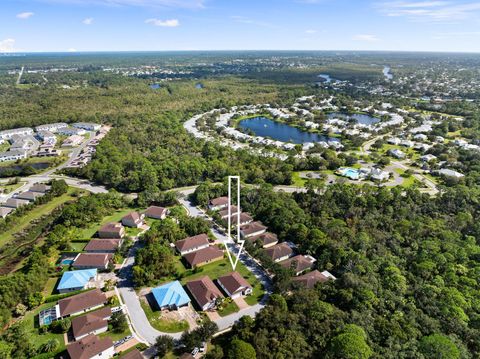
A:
(203, 347)
(195, 351)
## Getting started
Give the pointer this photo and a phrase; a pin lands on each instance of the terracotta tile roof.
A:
(94, 260)
(113, 227)
(224, 212)
(154, 211)
(203, 255)
(311, 278)
(278, 251)
(81, 302)
(132, 216)
(103, 244)
(298, 263)
(204, 290)
(89, 347)
(90, 322)
(192, 242)
(252, 228)
(233, 282)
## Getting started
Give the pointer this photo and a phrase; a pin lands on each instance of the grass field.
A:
(34, 214)
(10, 187)
(78, 246)
(162, 324)
(228, 309)
(115, 336)
(50, 286)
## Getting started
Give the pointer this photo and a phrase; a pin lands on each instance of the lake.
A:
(155, 86)
(327, 78)
(266, 127)
(199, 86)
(361, 118)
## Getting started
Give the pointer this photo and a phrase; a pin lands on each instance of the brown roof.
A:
(278, 251)
(132, 216)
(204, 290)
(219, 201)
(89, 347)
(92, 259)
(39, 187)
(224, 212)
(233, 282)
(90, 322)
(103, 244)
(134, 354)
(298, 263)
(203, 255)
(155, 211)
(192, 242)
(266, 238)
(186, 356)
(244, 217)
(81, 302)
(252, 228)
(311, 278)
(111, 227)
(29, 195)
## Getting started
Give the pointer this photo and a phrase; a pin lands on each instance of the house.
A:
(394, 141)
(103, 245)
(428, 158)
(15, 203)
(156, 212)
(71, 131)
(170, 296)
(420, 137)
(217, 204)
(13, 155)
(311, 278)
(192, 244)
(134, 354)
(234, 285)
(81, 303)
(133, 219)
(92, 260)
(450, 173)
(224, 212)
(88, 126)
(76, 280)
(95, 322)
(5, 211)
(266, 239)
(279, 252)
(245, 218)
(377, 174)
(23, 131)
(48, 152)
(204, 292)
(111, 230)
(407, 143)
(40, 188)
(203, 256)
(72, 141)
(252, 229)
(51, 127)
(396, 153)
(47, 137)
(29, 196)
(299, 263)
(91, 347)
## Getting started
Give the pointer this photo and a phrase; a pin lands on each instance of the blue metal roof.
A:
(76, 278)
(171, 294)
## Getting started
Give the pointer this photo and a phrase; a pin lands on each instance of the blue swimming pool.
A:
(351, 173)
(67, 262)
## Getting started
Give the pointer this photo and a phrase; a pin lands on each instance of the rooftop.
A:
(81, 302)
(170, 294)
(77, 278)
(89, 347)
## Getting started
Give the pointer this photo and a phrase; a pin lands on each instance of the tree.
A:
(241, 350)
(350, 344)
(60, 326)
(163, 345)
(50, 346)
(119, 322)
(439, 346)
(20, 309)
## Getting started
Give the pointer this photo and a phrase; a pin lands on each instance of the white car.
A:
(195, 351)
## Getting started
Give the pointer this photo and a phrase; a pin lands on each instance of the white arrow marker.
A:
(229, 225)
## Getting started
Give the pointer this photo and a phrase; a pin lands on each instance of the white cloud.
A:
(25, 15)
(432, 11)
(310, 31)
(7, 45)
(365, 38)
(191, 4)
(87, 21)
(72, 49)
(163, 23)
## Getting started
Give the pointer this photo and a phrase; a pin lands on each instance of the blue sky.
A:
(143, 25)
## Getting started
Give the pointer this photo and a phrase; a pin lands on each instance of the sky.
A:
(167, 25)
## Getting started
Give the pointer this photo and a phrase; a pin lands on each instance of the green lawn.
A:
(297, 180)
(31, 323)
(115, 217)
(115, 336)
(78, 246)
(8, 188)
(228, 309)
(34, 214)
(162, 324)
(50, 286)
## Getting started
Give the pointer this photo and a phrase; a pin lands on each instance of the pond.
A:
(199, 86)
(327, 78)
(155, 86)
(266, 127)
(386, 72)
(361, 118)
